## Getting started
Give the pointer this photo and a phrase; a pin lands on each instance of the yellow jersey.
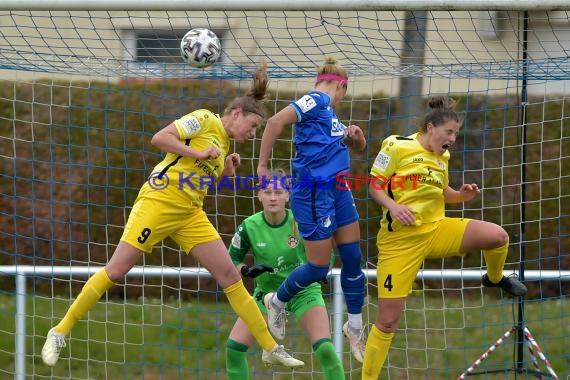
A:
(413, 177)
(186, 177)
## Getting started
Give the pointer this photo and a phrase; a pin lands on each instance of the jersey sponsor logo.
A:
(382, 160)
(236, 241)
(207, 168)
(292, 241)
(261, 244)
(428, 177)
(337, 128)
(190, 125)
(280, 260)
(306, 103)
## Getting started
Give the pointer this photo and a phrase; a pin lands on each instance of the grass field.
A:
(173, 340)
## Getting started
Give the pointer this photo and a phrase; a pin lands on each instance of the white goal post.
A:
(261, 5)
(85, 84)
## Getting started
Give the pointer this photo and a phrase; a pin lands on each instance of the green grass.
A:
(174, 340)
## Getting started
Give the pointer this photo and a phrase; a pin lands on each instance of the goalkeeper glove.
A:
(255, 270)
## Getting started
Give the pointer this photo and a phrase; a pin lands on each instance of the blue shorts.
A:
(322, 207)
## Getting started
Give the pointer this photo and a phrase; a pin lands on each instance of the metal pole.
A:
(20, 327)
(338, 307)
(413, 54)
(297, 5)
(524, 102)
(197, 272)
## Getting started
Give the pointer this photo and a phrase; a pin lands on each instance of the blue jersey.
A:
(318, 138)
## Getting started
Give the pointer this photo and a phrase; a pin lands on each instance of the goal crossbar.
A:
(298, 5)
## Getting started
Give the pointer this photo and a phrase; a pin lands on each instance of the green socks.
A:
(330, 362)
(236, 361)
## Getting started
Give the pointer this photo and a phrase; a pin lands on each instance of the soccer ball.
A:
(200, 47)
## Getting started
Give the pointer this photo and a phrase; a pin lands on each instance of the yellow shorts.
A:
(402, 253)
(157, 215)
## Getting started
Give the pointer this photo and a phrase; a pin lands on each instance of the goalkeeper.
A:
(170, 204)
(272, 237)
(411, 183)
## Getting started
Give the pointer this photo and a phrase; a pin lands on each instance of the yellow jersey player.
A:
(410, 181)
(169, 204)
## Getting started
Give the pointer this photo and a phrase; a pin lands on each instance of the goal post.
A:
(292, 5)
(85, 85)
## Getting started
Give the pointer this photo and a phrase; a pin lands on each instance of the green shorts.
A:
(306, 299)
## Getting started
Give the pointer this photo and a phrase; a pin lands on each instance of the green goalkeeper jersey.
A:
(279, 246)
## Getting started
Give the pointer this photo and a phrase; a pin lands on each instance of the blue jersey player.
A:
(321, 202)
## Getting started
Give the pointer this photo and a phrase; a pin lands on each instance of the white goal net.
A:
(83, 90)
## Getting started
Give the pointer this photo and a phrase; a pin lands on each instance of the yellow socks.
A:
(87, 298)
(375, 354)
(245, 307)
(495, 259)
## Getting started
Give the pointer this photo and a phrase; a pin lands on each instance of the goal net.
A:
(82, 92)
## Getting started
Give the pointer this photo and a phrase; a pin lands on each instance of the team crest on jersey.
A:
(236, 240)
(441, 164)
(292, 241)
(306, 103)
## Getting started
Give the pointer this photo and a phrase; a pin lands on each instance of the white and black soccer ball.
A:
(200, 47)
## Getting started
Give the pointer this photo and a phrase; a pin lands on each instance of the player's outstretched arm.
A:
(273, 129)
(254, 270)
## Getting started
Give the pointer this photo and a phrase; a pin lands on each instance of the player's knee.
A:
(318, 272)
(388, 322)
(387, 326)
(116, 273)
(499, 237)
(350, 254)
(227, 276)
(503, 237)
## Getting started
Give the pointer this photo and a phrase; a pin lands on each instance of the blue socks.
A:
(352, 277)
(300, 278)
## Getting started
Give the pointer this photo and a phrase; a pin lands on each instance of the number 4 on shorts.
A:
(388, 283)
